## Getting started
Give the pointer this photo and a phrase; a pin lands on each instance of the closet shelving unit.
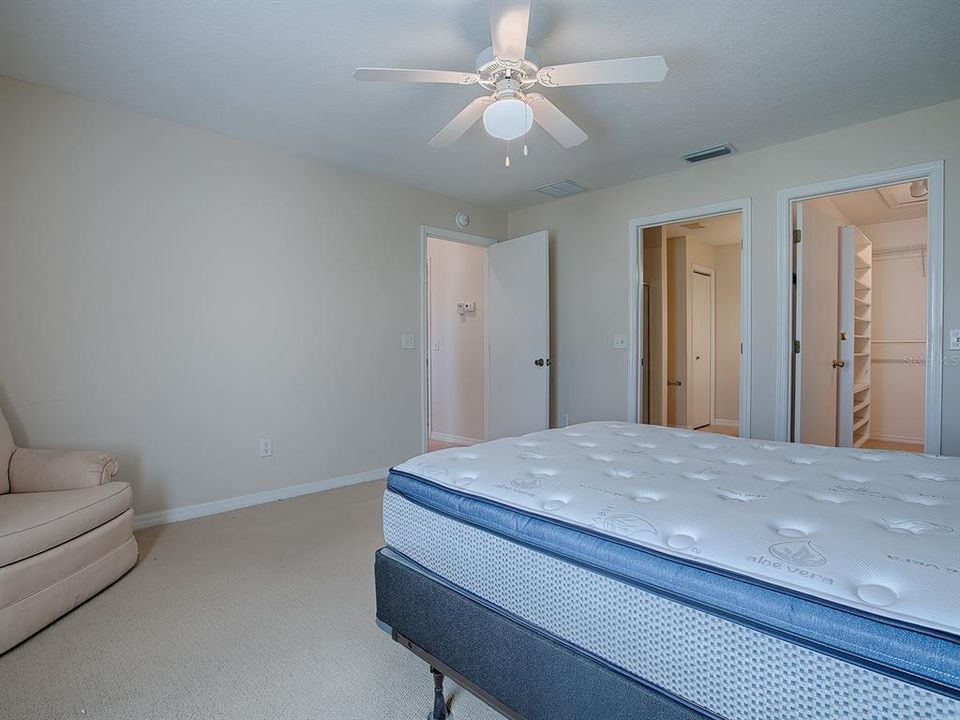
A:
(862, 322)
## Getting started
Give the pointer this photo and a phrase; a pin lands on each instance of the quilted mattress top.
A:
(875, 531)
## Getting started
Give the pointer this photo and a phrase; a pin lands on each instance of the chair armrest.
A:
(45, 470)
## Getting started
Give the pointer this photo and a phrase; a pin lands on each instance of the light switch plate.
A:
(620, 341)
(955, 339)
(406, 342)
(266, 447)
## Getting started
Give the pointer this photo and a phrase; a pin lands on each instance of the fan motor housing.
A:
(493, 70)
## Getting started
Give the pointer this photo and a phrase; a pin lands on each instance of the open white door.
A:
(855, 349)
(845, 324)
(700, 391)
(815, 394)
(518, 371)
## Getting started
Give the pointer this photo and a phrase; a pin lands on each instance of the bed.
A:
(614, 570)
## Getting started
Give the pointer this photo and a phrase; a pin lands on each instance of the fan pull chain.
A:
(506, 156)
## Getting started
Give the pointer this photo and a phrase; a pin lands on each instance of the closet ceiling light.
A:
(918, 188)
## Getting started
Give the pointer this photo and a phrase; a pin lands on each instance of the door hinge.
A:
(797, 235)
(741, 348)
(796, 346)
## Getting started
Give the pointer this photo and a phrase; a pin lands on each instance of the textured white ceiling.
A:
(750, 72)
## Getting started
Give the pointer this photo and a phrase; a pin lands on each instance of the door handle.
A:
(675, 383)
(839, 363)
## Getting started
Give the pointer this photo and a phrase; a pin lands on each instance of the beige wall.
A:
(727, 291)
(173, 295)
(589, 243)
(899, 314)
(456, 363)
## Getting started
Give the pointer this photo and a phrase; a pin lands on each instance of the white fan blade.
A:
(605, 72)
(464, 120)
(564, 130)
(509, 20)
(416, 76)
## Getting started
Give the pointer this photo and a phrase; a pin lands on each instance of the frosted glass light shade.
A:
(508, 119)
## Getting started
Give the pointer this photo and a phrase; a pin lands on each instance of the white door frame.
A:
(635, 267)
(453, 236)
(707, 272)
(933, 173)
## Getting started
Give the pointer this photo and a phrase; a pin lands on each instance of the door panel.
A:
(701, 350)
(815, 394)
(846, 328)
(518, 336)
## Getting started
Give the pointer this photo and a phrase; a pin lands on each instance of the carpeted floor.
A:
(264, 613)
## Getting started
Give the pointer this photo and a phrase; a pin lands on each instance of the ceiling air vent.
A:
(560, 189)
(710, 153)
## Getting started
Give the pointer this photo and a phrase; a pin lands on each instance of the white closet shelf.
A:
(860, 423)
(860, 388)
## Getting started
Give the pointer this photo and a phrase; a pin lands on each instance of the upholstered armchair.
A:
(66, 533)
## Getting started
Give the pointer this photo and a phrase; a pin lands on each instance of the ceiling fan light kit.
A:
(508, 119)
(508, 70)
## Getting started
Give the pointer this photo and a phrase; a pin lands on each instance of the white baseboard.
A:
(897, 438)
(459, 440)
(720, 422)
(162, 517)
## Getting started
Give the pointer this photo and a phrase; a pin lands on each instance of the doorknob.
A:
(539, 362)
(839, 363)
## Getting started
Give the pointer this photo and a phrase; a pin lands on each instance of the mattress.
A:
(698, 562)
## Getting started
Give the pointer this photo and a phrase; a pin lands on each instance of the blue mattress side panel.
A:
(916, 656)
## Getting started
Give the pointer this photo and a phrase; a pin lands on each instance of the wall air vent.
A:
(560, 189)
(709, 153)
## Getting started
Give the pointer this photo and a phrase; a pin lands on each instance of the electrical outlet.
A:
(406, 342)
(266, 447)
(620, 341)
(955, 339)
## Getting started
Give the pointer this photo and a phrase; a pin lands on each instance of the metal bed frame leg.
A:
(439, 703)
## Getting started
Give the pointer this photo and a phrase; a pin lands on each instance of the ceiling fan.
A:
(508, 70)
